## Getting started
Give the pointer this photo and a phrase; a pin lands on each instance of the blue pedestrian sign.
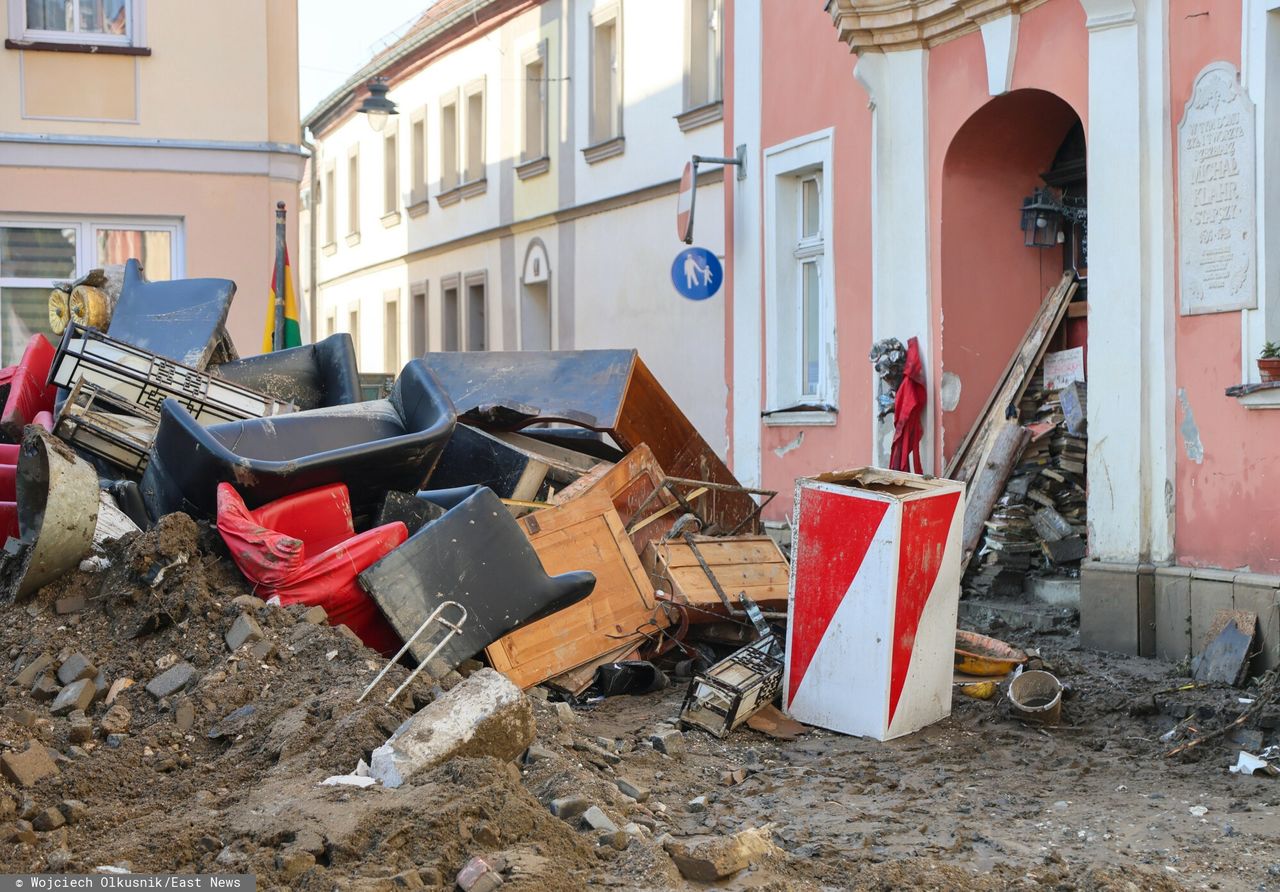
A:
(697, 273)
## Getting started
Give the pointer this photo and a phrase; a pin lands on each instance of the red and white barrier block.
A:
(875, 586)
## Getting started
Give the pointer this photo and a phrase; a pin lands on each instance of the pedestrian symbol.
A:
(697, 273)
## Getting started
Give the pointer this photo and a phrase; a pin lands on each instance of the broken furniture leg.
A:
(451, 629)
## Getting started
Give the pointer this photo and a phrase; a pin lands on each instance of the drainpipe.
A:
(311, 234)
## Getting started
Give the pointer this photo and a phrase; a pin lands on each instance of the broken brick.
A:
(27, 677)
(48, 819)
(74, 668)
(28, 767)
(77, 695)
(171, 680)
(243, 631)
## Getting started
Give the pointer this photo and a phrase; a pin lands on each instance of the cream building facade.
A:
(524, 195)
(150, 129)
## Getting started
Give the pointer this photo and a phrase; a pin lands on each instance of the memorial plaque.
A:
(1216, 197)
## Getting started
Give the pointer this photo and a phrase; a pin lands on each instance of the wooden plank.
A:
(982, 495)
(629, 484)
(750, 564)
(977, 444)
(585, 534)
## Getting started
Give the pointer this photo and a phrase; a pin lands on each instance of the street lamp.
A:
(376, 105)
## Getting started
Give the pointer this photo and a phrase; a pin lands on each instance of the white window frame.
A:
(612, 13)
(391, 175)
(692, 35)
(786, 167)
(1260, 76)
(538, 54)
(134, 36)
(468, 176)
(353, 195)
(418, 178)
(87, 229)
(469, 281)
(329, 198)
(451, 180)
(391, 301)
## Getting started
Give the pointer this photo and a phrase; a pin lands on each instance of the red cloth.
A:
(908, 413)
(279, 566)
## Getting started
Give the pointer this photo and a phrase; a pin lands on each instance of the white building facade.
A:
(524, 195)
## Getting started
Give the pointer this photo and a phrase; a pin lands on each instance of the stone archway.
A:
(991, 284)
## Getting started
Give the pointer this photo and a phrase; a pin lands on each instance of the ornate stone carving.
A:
(905, 24)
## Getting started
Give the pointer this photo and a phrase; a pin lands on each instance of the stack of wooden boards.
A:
(1024, 463)
(1038, 524)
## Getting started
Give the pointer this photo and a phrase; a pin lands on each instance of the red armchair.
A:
(303, 549)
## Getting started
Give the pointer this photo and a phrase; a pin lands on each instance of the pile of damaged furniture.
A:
(553, 513)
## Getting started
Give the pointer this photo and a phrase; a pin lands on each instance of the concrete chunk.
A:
(630, 788)
(706, 859)
(594, 818)
(171, 681)
(243, 631)
(29, 766)
(486, 715)
(74, 668)
(77, 695)
(30, 672)
(570, 807)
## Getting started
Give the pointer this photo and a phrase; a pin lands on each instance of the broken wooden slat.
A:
(751, 564)
(584, 534)
(630, 483)
(989, 484)
(1008, 391)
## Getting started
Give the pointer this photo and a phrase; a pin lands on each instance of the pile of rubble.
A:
(230, 574)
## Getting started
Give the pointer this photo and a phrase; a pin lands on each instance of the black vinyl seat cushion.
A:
(312, 376)
(372, 447)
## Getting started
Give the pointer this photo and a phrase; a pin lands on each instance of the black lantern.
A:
(1042, 220)
(376, 105)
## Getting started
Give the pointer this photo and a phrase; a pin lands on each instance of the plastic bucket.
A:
(1036, 697)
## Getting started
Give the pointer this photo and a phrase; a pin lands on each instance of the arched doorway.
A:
(535, 299)
(992, 283)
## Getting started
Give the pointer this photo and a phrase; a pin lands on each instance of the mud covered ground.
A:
(223, 776)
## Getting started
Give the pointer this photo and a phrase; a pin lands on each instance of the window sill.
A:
(390, 219)
(801, 418)
(418, 208)
(534, 168)
(54, 46)
(330, 249)
(449, 196)
(602, 150)
(473, 188)
(701, 116)
(1265, 395)
(353, 239)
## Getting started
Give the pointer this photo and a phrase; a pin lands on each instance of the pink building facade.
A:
(891, 144)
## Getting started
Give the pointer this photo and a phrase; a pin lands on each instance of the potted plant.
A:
(1269, 361)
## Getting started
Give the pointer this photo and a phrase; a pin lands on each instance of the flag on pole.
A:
(292, 327)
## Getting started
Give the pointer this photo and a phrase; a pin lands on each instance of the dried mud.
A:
(978, 801)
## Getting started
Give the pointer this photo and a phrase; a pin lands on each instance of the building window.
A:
(391, 178)
(704, 58)
(353, 329)
(391, 332)
(331, 323)
(451, 317)
(535, 107)
(477, 333)
(353, 197)
(449, 172)
(330, 199)
(418, 161)
(97, 22)
(418, 321)
(703, 64)
(605, 127)
(37, 252)
(475, 134)
(799, 281)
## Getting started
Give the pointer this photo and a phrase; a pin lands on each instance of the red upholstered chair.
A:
(302, 549)
(29, 391)
(8, 490)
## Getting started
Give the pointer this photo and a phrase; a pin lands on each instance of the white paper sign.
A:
(1063, 367)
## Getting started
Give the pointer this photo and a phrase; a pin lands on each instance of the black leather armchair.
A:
(477, 555)
(312, 376)
(371, 447)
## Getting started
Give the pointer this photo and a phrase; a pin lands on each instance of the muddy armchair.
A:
(371, 447)
(311, 376)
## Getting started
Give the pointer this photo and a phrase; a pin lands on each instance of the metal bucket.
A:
(1036, 696)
